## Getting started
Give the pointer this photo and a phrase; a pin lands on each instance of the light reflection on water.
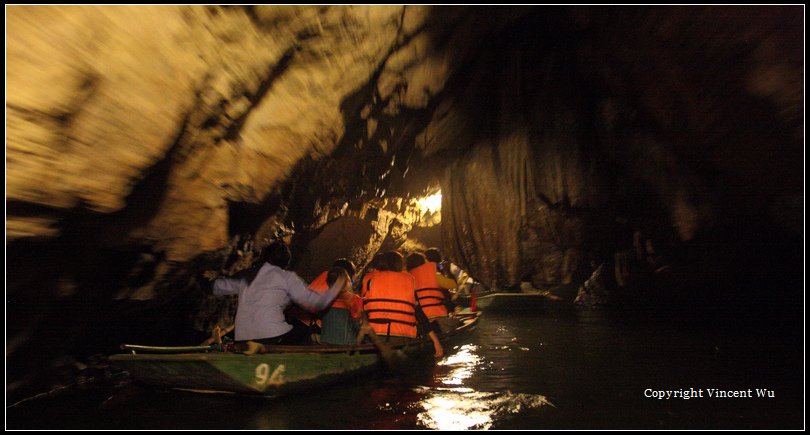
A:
(461, 364)
(457, 407)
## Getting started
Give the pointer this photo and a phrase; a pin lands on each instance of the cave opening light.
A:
(431, 203)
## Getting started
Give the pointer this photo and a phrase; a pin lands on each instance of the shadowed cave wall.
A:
(147, 144)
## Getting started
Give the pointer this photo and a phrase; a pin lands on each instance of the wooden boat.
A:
(282, 370)
(513, 301)
(504, 301)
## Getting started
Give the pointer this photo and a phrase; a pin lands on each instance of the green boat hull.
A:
(287, 369)
(266, 374)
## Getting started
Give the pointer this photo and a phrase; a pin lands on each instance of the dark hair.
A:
(392, 261)
(378, 262)
(277, 254)
(415, 260)
(333, 274)
(345, 264)
(433, 255)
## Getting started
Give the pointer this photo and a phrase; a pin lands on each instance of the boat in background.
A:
(514, 301)
(506, 301)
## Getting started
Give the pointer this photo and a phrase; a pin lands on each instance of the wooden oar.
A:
(216, 335)
(386, 352)
(135, 348)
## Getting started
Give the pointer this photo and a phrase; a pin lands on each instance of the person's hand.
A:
(345, 296)
(437, 345)
(210, 275)
(439, 353)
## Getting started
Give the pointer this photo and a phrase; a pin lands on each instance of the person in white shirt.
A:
(266, 290)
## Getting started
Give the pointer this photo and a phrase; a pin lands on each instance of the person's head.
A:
(334, 273)
(345, 264)
(415, 260)
(277, 254)
(378, 262)
(433, 255)
(393, 261)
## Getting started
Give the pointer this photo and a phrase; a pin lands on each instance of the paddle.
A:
(216, 335)
(388, 354)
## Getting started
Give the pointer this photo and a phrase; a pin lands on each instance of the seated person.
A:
(265, 291)
(430, 294)
(313, 321)
(340, 322)
(391, 304)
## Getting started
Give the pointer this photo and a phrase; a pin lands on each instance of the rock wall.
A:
(219, 103)
(574, 127)
(145, 141)
(157, 123)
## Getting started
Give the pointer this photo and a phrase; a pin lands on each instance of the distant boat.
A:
(501, 301)
(282, 370)
(497, 301)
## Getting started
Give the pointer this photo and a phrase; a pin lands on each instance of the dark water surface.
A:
(557, 367)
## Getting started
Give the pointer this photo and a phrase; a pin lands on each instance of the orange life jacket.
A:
(391, 304)
(356, 308)
(366, 278)
(320, 285)
(428, 293)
